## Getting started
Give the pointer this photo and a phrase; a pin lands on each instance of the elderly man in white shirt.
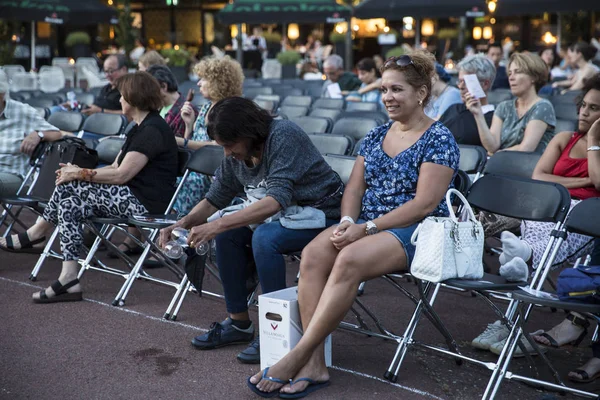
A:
(22, 129)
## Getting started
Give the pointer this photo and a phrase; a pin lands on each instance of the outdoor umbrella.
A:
(397, 9)
(283, 12)
(56, 12)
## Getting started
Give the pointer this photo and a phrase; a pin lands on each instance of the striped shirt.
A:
(17, 121)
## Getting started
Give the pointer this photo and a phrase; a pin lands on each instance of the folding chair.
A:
(361, 106)
(298, 101)
(472, 159)
(252, 92)
(293, 111)
(332, 144)
(584, 219)
(100, 125)
(66, 120)
(342, 165)
(356, 128)
(512, 163)
(312, 124)
(336, 104)
(514, 197)
(330, 113)
(267, 105)
(379, 116)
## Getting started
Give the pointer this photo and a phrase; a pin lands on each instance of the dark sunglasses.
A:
(402, 61)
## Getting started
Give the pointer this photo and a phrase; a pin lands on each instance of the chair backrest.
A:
(325, 113)
(302, 101)
(332, 144)
(285, 92)
(356, 128)
(43, 112)
(51, 79)
(361, 106)
(10, 70)
(462, 182)
(520, 198)
(563, 125)
(252, 92)
(512, 163)
(104, 124)
(311, 124)
(66, 120)
(472, 158)
(357, 146)
(109, 149)
(24, 81)
(342, 165)
(206, 160)
(275, 98)
(44, 102)
(497, 96)
(267, 105)
(564, 107)
(337, 104)
(60, 61)
(183, 157)
(85, 98)
(293, 111)
(584, 218)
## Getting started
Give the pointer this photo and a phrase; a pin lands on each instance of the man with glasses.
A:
(333, 67)
(108, 99)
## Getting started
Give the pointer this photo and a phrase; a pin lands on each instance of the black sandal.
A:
(132, 250)
(575, 320)
(26, 244)
(60, 293)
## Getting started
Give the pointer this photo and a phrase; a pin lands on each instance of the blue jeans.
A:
(269, 242)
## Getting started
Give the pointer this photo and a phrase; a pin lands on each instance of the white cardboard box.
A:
(280, 326)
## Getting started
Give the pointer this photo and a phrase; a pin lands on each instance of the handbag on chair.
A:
(447, 248)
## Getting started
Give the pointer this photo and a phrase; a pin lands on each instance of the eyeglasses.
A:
(402, 61)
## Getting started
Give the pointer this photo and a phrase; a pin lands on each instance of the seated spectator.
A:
(378, 61)
(262, 157)
(333, 67)
(310, 72)
(581, 56)
(149, 59)
(172, 99)
(219, 78)
(371, 82)
(400, 176)
(567, 161)
(457, 118)
(494, 53)
(138, 50)
(443, 95)
(549, 57)
(525, 123)
(140, 181)
(22, 130)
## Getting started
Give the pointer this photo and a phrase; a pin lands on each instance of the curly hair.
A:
(592, 83)
(418, 73)
(224, 76)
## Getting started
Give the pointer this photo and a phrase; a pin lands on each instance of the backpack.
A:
(581, 284)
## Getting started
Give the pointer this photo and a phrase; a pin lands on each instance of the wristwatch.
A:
(41, 135)
(371, 228)
(593, 148)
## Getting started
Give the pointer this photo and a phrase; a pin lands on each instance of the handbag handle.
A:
(462, 198)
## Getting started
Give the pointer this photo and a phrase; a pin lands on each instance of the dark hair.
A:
(163, 74)
(368, 64)
(234, 119)
(587, 50)
(494, 44)
(593, 82)
(555, 56)
(418, 73)
(121, 60)
(442, 73)
(141, 90)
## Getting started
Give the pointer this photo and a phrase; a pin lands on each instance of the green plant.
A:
(78, 37)
(124, 32)
(176, 58)
(395, 52)
(272, 37)
(447, 33)
(335, 37)
(7, 46)
(288, 57)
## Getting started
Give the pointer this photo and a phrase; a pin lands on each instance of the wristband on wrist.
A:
(86, 174)
(185, 143)
(593, 148)
(347, 218)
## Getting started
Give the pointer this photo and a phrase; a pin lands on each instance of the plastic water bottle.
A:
(71, 97)
(176, 247)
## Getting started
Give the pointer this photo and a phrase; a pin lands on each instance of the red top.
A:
(575, 168)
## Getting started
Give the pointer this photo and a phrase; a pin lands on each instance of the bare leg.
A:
(367, 258)
(39, 229)
(67, 274)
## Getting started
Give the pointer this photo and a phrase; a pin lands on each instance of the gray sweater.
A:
(292, 170)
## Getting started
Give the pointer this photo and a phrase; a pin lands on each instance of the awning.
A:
(283, 12)
(80, 12)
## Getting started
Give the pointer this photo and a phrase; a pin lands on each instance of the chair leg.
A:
(124, 290)
(180, 302)
(47, 251)
(183, 286)
(90, 256)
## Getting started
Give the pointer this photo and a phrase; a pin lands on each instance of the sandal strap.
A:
(582, 373)
(59, 288)
(578, 321)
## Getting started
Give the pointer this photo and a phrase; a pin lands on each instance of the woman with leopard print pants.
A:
(141, 180)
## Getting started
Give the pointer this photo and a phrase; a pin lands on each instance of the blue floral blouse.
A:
(391, 182)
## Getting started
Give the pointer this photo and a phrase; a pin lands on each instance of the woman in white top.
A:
(579, 55)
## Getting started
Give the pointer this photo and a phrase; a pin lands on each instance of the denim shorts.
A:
(403, 235)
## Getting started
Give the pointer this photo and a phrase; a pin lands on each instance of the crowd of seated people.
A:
(400, 176)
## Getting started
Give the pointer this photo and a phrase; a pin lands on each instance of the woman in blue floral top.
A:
(219, 78)
(400, 176)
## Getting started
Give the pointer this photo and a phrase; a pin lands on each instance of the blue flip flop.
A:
(267, 395)
(312, 387)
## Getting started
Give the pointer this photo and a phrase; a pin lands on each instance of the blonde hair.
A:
(419, 73)
(532, 65)
(224, 76)
(150, 58)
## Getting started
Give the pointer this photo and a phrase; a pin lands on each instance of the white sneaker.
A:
(493, 334)
(496, 348)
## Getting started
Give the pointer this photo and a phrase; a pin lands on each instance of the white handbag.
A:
(448, 248)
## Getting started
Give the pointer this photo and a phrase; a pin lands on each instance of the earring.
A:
(420, 102)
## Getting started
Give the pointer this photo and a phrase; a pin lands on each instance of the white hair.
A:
(334, 61)
(479, 65)
(4, 88)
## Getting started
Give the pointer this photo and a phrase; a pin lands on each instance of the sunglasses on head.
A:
(402, 61)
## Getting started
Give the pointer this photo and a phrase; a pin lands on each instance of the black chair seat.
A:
(521, 295)
(488, 282)
(154, 221)
(23, 200)
(108, 220)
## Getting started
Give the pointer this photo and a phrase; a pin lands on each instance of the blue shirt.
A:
(501, 81)
(391, 182)
(437, 107)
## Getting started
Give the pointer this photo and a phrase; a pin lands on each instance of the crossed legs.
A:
(329, 280)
